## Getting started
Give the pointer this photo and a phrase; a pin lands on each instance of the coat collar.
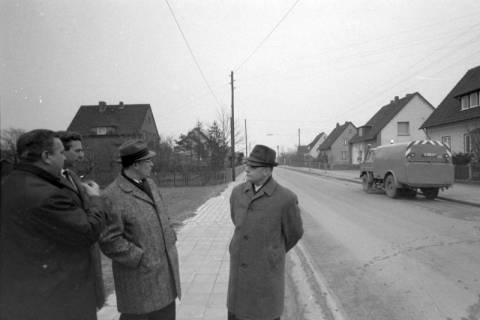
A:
(268, 188)
(128, 187)
(44, 174)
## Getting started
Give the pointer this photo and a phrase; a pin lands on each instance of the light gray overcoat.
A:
(267, 225)
(141, 244)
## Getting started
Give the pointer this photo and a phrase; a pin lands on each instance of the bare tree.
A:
(223, 122)
(8, 143)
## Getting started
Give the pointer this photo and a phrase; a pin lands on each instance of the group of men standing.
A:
(53, 226)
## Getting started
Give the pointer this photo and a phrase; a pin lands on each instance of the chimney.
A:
(120, 105)
(102, 106)
(396, 99)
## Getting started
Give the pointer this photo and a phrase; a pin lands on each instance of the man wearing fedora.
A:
(140, 240)
(267, 224)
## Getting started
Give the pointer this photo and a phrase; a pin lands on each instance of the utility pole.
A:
(232, 129)
(246, 139)
(299, 137)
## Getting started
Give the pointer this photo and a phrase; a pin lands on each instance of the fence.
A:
(322, 165)
(195, 176)
(468, 172)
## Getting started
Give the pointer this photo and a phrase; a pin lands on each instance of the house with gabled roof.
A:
(312, 147)
(398, 121)
(458, 115)
(194, 144)
(335, 150)
(105, 127)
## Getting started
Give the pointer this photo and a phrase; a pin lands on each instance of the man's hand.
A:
(92, 188)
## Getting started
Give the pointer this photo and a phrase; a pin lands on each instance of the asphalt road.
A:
(385, 258)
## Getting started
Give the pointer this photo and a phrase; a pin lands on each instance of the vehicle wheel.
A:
(390, 188)
(367, 186)
(430, 193)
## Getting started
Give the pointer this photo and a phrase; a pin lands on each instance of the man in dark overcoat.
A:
(74, 154)
(46, 236)
(140, 240)
(267, 225)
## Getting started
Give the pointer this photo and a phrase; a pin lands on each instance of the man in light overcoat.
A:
(140, 240)
(267, 225)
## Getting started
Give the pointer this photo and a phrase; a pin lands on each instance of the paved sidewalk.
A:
(204, 262)
(459, 192)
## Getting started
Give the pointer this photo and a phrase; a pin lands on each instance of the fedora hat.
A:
(262, 156)
(134, 150)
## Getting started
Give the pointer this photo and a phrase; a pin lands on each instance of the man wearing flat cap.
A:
(140, 240)
(267, 225)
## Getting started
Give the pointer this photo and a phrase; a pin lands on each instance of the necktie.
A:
(69, 178)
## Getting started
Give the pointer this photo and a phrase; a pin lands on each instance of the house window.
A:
(464, 102)
(360, 156)
(467, 143)
(345, 142)
(344, 155)
(101, 131)
(474, 99)
(403, 128)
(447, 140)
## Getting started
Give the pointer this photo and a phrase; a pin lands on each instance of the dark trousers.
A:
(231, 316)
(167, 313)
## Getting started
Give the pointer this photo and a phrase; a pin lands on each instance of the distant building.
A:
(335, 150)
(312, 147)
(105, 127)
(398, 121)
(457, 117)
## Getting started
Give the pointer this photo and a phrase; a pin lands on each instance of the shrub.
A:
(461, 158)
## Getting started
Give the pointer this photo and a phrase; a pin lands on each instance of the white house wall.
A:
(415, 112)
(455, 131)
(314, 152)
(356, 148)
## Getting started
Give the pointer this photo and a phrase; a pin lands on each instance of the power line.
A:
(192, 54)
(363, 103)
(268, 36)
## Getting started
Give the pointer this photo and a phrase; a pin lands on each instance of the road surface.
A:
(385, 258)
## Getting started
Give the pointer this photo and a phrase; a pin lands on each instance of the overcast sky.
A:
(298, 64)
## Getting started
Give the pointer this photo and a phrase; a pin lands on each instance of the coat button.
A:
(243, 265)
(245, 237)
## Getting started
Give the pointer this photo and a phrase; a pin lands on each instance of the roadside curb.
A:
(359, 182)
(320, 304)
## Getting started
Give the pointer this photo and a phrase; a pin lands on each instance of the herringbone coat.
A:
(267, 225)
(141, 244)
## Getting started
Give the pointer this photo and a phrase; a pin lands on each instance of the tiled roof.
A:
(383, 117)
(449, 110)
(333, 136)
(127, 119)
(312, 144)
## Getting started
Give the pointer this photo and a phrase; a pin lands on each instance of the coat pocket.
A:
(275, 258)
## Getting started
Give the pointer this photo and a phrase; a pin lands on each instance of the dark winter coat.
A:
(267, 225)
(45, 242)
(141, 244)
(95, 250)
